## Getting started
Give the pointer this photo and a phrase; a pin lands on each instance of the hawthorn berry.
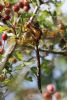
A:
(20, 4)
(4, 36)
(1, 7)
(57, 95)
(7, 11)
(25, 2)
(51, 88)
(6, 17)
(47, 96)
(16, 7)
(26, 8)
(21, 1)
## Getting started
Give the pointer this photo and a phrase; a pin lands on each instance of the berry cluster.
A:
(5, 12)
(51, 91)
(7, 8)
(22, 4)
(4, 38)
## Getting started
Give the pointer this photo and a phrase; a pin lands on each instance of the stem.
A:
(14, 30)
(34, 14)
(6, 56)
(62, 52)
(38, 68)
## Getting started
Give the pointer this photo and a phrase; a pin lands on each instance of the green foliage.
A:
(28, 77)
(12, 1)
(3, 28)
(46, 30)
(18, 55)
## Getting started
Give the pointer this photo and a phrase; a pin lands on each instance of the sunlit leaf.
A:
(18, 55)
(3, 28)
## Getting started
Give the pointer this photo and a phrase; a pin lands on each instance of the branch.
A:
(34, 14)
(7, 54)
(62, 52)
(38, 68)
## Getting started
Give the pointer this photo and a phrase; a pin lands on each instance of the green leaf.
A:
(12, 1)
(0, 56)
(18, 54)
(27, 77)
(3, 28)
(34, 70)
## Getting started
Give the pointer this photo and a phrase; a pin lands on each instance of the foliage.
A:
(33, 37)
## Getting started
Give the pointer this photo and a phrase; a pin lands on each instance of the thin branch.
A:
(38, 68)
(62, 52)
(34, 14)
(13, 30)
(7, 54)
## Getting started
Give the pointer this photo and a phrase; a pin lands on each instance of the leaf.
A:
(0, 56)
(18, 54)
(12, 1)
(47, 67)
(34, 70)
(28, 77)
(3, 28)
(59, 4)
(11, 40)
(12, 59)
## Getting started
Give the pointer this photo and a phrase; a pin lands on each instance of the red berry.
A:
(20, 4)
(47, 96)
(6, 17)
(21, 1)
(16, 8)
(57, 95)
(51, 88)
(1, 50)
(8, 5)
(7, 11)
(0, 43)
(4, 36)
(25, 2)
(1, 7)
(26, 8)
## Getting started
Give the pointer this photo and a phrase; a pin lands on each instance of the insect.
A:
(34, 29)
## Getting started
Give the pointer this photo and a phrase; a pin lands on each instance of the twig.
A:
(62, 52)
(34, 14)
(38, 68)
(13, 29)
(7, 54)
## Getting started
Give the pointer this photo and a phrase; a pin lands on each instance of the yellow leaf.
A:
(4, 28)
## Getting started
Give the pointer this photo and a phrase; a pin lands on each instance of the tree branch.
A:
(38, 68)
(62, 52)
(34, 14)
(7, 54)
